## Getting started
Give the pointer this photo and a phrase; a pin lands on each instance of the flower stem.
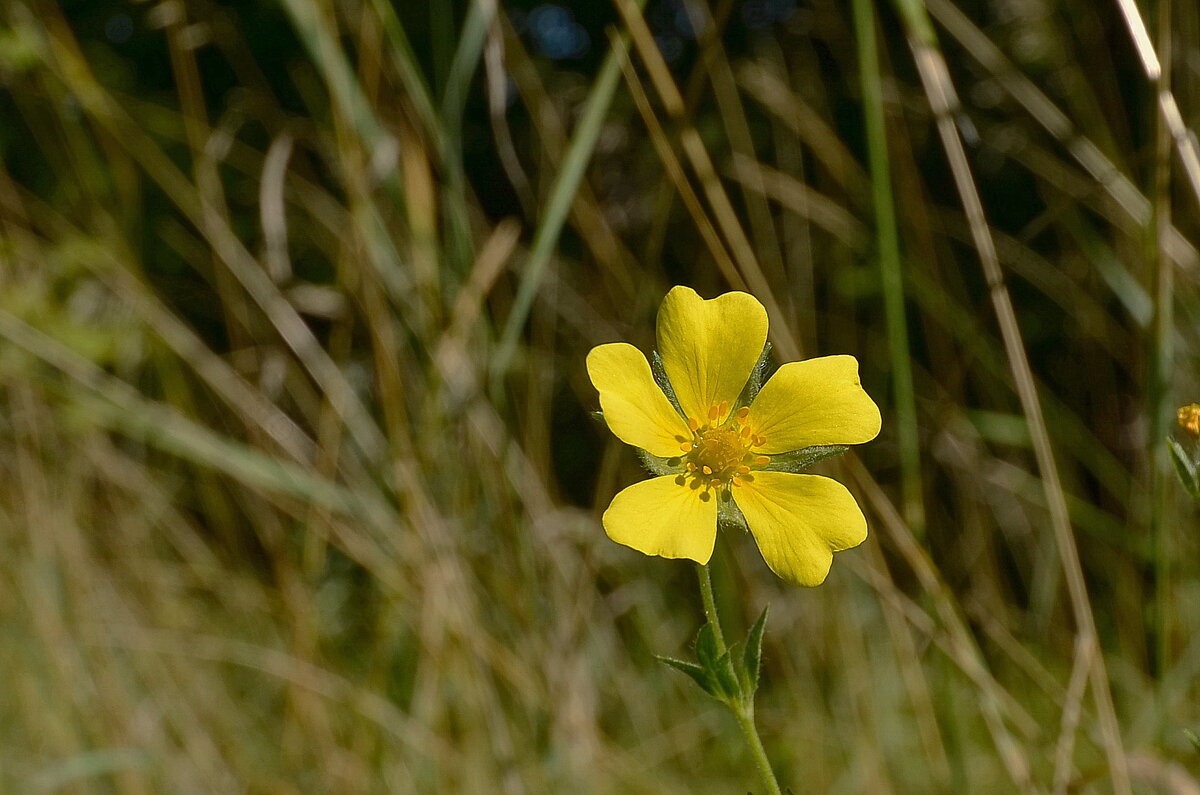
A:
(745, 717)
(710, 606)
(742, 708)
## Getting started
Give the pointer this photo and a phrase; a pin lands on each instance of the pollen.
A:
(720, 454)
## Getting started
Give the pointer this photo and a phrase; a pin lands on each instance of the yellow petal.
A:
(708, 348)
(818, 401)
(635, 409)
(660, 517)
(799, 521)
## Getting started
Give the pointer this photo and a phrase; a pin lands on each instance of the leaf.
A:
(726, 676)
(698, 674)
(717, 665)
(706, 646)
(1192, 738)
(1185, 467)
(752, 654)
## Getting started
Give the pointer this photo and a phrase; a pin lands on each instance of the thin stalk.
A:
(888, 244)
(1162, 356)
(742, 708)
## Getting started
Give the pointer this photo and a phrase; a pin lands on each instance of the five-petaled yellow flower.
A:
(716, 451)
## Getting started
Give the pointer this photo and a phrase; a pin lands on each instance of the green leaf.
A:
(706, 646)
(698, 674)
(1192, 738)
(726, 676)
(1185, 467)
(752, 654)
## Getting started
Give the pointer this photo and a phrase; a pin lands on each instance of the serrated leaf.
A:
(1185, 467)
(752, 654)
(699, 675)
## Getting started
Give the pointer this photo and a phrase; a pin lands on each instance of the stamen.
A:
(712, 413)
(759, 441)
(762, 461)
(743, 414)
(691, 467)
(708, 470)
(686, 447)
(693, 423)
(715, 483)
(743, 470)
(680, 480)
(705, 496)
(745, 431)
(724, 409)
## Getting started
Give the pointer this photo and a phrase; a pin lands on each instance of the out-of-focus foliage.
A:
(301, 487)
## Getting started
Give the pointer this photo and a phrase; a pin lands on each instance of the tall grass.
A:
(301, 487)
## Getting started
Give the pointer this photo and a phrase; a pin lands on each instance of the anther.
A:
(712, 413)
(743, 470)
(715, 483)
(691, 467)
(743, 414)
(745, 431)
(680, 480)
(759, 441)
(693, 423)
(724, 408)
(705, 496)
(762, 461)
(708, 470)
(686, 447)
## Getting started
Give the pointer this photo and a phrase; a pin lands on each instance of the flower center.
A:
(721, 455)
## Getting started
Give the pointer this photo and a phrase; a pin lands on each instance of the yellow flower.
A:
(714, 455)
(1188, 418)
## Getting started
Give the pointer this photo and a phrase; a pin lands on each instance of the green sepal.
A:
(1185, 467)
(698, 674)
(660, 377)
(657, 465)
(757, 376)
(752, 654)
(800, 460)
(729, 515)
(598, 416)
(726, 676)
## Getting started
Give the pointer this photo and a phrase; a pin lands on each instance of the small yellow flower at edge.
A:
(723, 451)
(1188, 418)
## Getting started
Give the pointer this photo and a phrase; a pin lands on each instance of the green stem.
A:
(745, 717)
(743, 708)
(710, 606)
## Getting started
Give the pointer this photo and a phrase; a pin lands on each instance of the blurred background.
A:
(301, 487)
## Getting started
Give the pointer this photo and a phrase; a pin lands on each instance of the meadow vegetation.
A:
(301, 487)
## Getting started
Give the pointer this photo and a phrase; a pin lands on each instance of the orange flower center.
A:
(721, 455)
